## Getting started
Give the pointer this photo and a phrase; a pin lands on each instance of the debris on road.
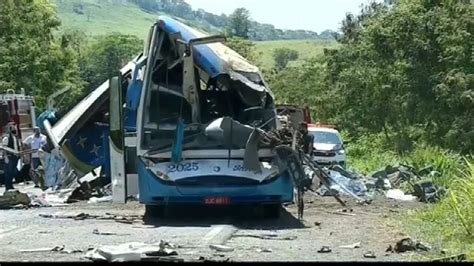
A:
(352, 246)
(51, 198)
(392, 179)
(398, 194)
(162, 259)
(96, 232)
(264, 250)
(407, 244)
(428, 192)
(91, 187)
(133, 251)
(129, 219)
(61, 249)
(12, 198)
(100, 200)
(404, 245)
(221, 248)
(370, 255)
(343, 213)
(267, 236)
(455, 258)
(421, 246)
(325, 249)
(166, 249)
(38, 250)
(343, 183)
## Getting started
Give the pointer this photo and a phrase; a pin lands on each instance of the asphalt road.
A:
(195, 229)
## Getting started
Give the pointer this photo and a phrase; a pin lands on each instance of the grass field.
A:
(306, 49)
(104, 17)
(96, 17)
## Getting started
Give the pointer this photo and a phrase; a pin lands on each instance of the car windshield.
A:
(326, 137)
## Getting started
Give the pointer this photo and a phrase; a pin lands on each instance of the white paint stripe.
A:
(13, 231)
(212, 234)
(11, 228)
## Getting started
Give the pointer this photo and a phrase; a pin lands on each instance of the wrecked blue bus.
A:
(182, 123)
(200, 102)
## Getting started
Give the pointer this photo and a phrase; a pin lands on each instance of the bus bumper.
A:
(155, 192)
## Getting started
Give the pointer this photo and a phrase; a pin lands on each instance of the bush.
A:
(370, 153)
(450, 224)
(373, 152)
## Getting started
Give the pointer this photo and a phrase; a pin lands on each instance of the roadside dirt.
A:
(252, 238)
(369, 224)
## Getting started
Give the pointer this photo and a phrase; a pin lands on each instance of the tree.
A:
(243, 47)
(283, 56)
(31, 57)
(107, 55)
(239, 23)
(408, 66)
(405, 70)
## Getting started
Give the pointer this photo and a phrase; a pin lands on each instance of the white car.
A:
(328, 147)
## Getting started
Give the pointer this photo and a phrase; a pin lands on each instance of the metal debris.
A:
(100, 200)
(165, 250)
(268, 236)
(343, 213)
(370, 255)
(61, 249)
(130, 252)
(221, 248)
(407, 244)
(398, 194)
(421, 246)
(352, 246)
(325, 249)
(96, 232)
(264, 250)
(129, 219)
(455, 258)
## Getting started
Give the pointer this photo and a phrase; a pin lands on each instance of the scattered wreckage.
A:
(195, 112)
(391, 181)
(183, 116)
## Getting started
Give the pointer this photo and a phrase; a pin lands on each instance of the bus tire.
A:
(155, 211)
(272, 211)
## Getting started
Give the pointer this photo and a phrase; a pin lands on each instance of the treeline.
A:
(42, 63)
(218, 23)
(405, 70)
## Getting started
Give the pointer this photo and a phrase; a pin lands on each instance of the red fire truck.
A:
(17, 108)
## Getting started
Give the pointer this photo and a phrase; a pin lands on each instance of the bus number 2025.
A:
(183, 167)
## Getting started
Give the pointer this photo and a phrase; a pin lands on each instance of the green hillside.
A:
(96, 17)
(101, 17)
(306, 49)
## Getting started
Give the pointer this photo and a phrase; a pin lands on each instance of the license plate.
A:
(217, 201)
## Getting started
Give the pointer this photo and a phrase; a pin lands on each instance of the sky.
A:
(315, 15)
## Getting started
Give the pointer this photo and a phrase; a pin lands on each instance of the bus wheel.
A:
(154, 211)
(272, 211)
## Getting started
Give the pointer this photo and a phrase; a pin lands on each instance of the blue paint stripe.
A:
(203, 54)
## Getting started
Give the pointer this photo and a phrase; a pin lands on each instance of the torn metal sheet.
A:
(214, 58)
(80, 113)
(133, 251)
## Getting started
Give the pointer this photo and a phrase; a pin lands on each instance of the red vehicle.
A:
(19, 109)
(296, 113)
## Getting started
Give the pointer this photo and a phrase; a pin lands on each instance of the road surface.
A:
(195, 229)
